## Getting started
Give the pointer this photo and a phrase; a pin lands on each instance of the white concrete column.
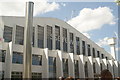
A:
(116, 69)
(45, 66)
(8, 61)
(98, 70)
(71, 65)
(45, 36)
(59, 64)
(90, 67)
(91, 51)
(74, 41)
(53, 37)
(110, 63)
(68, 40)
(61, 38)
(36, 36)
(81, 67)
(95, 52)
(104, 63)
(14, 33)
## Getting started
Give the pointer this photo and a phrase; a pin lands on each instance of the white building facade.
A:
(58, 50)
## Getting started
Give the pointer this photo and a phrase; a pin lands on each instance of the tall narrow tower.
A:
(27, 62)
(111, 42)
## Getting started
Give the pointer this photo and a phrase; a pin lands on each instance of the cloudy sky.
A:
(96, 20)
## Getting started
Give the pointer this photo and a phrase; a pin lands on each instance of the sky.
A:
(95, 19)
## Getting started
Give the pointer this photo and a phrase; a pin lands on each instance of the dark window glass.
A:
(107, 67)
(52, 67)
(101, 66)
(93, 52)
(37, 76)
(7, 34)
(64, 39)
(19, 38)
(36, 59)
(78, 45)
(86, 69)
(16, 75)
(17, 58)
(40, 36)
(106, 58)
(57, 37)
(2, 75)
(83, 47)
(65, 67)
(2, 55)
(89, 52)
(76, 67)
(33, 36)
(71, 43)
(98, 54)
(94, 68)
(102, 56)
(49, 37)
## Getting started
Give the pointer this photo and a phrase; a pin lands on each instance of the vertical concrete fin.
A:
(59, 64)
(81, 67)
(45, 66)
(71, 65)
(90, 70)
(8, 61)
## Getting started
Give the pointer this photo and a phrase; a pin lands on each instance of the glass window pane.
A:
(19, 35)
(7, 35)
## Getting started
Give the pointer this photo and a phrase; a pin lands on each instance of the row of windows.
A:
(18, 58)
(18, 75)
(19, 39)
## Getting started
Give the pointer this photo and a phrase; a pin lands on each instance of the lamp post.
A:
(27, 61)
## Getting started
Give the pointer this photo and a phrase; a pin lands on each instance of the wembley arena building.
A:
(58, 50)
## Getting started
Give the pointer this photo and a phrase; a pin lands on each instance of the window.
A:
(86, 69)
(7, 34)
(106, 58)
(52, 67)
(49, 37)
(76, 67)
(33, 36)
(2, 75)
(64, 39)
(36, 76)
(102, 55)
(65, 67)
(19, 38)
(94, 68)
(101, 66)
(16, 75)
(98, 54)
(78, 45)
(83, 47)
(71, 43)
(17, 58)
(57, 37)
(107, 66)
(89, 53)
(40, 36)
(2, 55)
(36, 59)
(93, 52)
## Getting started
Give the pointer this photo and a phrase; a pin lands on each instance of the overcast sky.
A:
(96, 20)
